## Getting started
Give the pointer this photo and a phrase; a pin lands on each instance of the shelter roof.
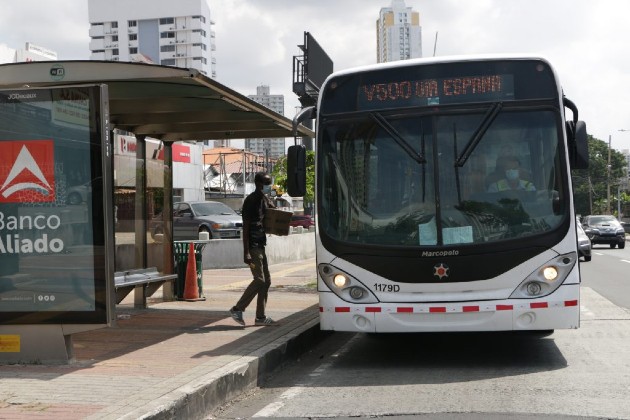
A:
(166, 103)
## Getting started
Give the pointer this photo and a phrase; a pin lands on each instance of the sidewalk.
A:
(174, 359)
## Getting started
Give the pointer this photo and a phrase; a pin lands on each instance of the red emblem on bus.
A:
(441, 270)
(30, 175)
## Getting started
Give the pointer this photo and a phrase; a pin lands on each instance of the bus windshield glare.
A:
(470, 162)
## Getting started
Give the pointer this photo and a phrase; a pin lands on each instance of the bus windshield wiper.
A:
(394, 134)
(488, 118)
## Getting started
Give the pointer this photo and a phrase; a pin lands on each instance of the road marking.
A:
(626, 261)
(293, 269)
(272, 408)
(281, 273)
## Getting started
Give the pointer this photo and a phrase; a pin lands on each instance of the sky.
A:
(586, 41)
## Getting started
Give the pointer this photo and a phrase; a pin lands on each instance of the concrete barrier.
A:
(228, 253)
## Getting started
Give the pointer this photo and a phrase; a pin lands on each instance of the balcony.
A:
(97, 30)
(97, 56)
(97, 44)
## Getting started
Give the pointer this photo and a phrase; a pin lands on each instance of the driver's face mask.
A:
(266, 189)
(512, 174)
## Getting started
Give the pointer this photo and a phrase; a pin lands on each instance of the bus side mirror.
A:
(296, 171)
(578, 144)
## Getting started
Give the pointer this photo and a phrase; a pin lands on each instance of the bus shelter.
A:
(164, 103)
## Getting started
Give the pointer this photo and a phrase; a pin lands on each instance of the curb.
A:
(199, 397)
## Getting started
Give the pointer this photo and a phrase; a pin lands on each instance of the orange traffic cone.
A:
(191, 288)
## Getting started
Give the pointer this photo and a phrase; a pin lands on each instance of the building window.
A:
(167, 34)
(167, 21)
(133, 50)
(114, 24)
(168, 62)
(114, 38)
(133, 37)
(132, 23)
(167, 48)
(115, 51)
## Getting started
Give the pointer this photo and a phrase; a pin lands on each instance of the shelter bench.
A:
(145, 281)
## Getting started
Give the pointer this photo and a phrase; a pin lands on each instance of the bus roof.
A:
(437, 60)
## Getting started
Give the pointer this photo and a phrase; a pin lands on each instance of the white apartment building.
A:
(272, 148)
(398, 33)
(171, 33)
(30, 52)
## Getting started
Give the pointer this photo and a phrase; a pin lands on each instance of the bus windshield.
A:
(413, 178)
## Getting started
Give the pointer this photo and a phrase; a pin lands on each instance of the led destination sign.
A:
(450, 90)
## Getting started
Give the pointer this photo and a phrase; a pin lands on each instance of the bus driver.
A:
(512, 180)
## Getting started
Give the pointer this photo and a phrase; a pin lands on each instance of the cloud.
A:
(256, 40)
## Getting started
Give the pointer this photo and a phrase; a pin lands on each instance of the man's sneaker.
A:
(266, 321)
(237, 316)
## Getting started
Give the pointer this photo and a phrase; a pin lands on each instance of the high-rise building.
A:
(272, 148)
(398, 33)
(171, 33)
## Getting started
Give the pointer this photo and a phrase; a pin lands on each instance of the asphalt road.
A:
(570, 374)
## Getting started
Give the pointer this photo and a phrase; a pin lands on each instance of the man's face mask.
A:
(266, 189)
(512, 174)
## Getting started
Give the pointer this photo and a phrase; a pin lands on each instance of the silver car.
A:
(584, 243)
(190, 218)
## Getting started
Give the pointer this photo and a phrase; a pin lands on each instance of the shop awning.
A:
(166, 103)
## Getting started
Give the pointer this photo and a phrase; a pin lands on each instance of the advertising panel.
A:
(55, 238)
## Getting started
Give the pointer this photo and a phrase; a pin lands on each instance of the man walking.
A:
(254, 242)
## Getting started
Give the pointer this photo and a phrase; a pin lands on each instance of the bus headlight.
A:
(340, 280)
(345, 286)
(550, 273)
(546, 278)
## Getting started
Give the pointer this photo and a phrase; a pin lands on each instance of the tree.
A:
(590, 185)
(279, 174)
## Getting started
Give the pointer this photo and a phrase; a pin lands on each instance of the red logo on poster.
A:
(27, 171)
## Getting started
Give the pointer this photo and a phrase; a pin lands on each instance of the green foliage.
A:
(279, 174)
(590, 186)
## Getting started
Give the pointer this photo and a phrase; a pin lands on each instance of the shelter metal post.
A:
(167, 217)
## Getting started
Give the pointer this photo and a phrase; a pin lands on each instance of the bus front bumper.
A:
(560, 310)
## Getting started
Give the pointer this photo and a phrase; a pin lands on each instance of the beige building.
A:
(398, 33)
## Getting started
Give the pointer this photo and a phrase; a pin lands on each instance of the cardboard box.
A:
(277, 221)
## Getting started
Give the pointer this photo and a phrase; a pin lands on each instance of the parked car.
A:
(79, 193)
(584, 243)
(604, 229)
(305, 221)
(193, 217)
(626, 226)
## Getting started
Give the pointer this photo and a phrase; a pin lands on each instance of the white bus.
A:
(444, 198)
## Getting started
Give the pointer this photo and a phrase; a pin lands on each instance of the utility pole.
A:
(608, 180)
